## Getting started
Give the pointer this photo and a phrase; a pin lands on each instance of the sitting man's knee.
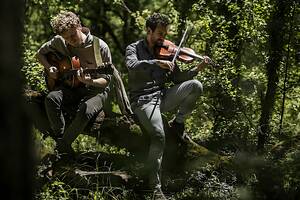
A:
(197, 86)
(86, 111)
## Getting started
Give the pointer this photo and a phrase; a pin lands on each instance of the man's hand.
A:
(204, 62)
(53, 72)
(84, 77)
(165, 64)
(87, 79)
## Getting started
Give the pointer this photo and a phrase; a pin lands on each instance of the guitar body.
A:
(64, 65)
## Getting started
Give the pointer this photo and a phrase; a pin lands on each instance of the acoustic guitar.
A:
(67, 71)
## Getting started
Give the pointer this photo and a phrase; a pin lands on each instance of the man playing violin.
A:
(88, 98)
(150, 97)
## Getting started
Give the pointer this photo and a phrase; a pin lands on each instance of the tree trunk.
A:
(16, 141)
(276, 29)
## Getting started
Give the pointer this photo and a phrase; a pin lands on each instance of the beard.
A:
(159, 42)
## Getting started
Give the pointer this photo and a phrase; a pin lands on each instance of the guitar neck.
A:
(103, 69)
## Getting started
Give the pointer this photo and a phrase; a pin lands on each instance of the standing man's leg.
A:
(149, 116)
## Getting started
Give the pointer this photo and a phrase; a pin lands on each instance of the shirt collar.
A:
(145, 44)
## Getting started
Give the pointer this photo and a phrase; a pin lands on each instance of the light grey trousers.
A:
(182, 97)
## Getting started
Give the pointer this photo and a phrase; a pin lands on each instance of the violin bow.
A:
(180, 45)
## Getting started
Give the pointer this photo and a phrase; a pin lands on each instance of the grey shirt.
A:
(85, 52)
(145, 76)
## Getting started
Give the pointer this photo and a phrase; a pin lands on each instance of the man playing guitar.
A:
(89, 96)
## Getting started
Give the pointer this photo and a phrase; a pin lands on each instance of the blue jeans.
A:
(182, 97)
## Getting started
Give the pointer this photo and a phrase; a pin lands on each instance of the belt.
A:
(148, 97)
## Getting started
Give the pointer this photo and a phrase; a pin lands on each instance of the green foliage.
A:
(34, 72)
(227, 119)
(290, 164)
(210, 185)
(87, 143)
(55, 190)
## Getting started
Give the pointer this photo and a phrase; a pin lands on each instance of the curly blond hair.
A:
(64, 21)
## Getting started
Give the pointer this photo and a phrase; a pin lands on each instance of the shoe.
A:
(158, 194)
(178, 130)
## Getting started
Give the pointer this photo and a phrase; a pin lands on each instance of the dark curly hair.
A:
(157, 19)
(64, 21)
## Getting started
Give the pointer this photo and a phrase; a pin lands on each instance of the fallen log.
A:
(121, 131)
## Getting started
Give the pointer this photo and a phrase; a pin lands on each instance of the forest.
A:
(247, 119)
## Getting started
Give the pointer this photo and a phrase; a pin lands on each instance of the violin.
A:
(168, 50)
